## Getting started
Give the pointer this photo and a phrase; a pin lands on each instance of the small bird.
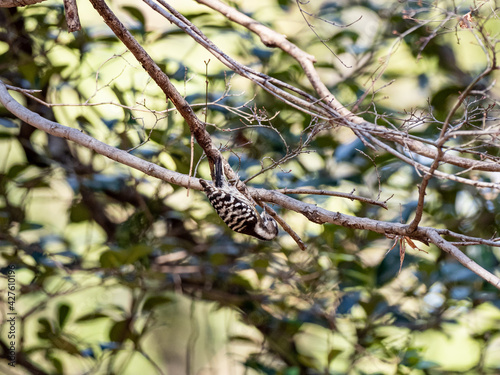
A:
(236, 210)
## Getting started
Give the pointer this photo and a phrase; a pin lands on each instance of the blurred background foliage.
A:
(119, 273)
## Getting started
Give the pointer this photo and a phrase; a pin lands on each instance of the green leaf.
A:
(91, 316)
(26, 225)
(111, 259)
(79, 213)
(45, 331)
(6, 135)
(153, 302)
(63, 314)
(56, 362)
(332, 354)
(120, 331)
(16, 169)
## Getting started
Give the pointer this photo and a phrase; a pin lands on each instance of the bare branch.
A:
(333, 194)
(286, 227)
(18, 3)
(72, 18)
(437, 240)
(311, 27)
(437, 173)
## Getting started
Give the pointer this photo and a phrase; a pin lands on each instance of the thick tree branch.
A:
(18, 3)
(72, 17)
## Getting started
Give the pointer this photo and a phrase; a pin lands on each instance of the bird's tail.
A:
(218, 172)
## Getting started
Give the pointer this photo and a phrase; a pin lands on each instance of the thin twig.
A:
(72, 17)
(333, 194)
(286, 227)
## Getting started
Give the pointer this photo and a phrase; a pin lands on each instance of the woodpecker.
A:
(236, 210)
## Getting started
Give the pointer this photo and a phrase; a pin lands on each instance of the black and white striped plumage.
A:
(236, 210)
